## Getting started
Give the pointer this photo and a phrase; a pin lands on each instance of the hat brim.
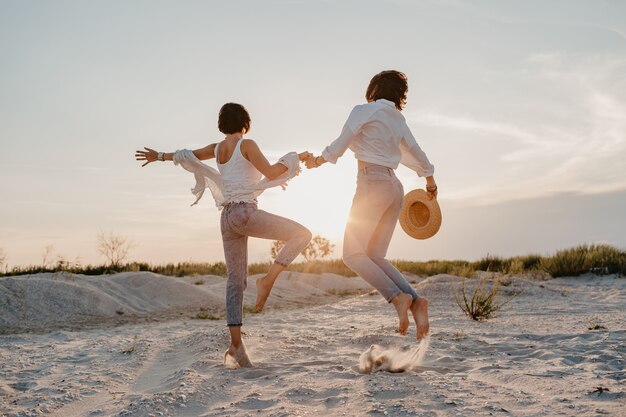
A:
(420, 216)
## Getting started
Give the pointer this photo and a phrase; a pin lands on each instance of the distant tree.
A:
(318, 248)
(114, 247)
(46, 256)
(3, 258)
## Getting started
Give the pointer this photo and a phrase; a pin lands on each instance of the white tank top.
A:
(237, 174)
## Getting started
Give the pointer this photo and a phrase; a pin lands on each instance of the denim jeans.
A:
(373, 217)
(240, 220)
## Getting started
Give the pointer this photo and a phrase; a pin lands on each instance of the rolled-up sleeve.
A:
(414, 157)
(339, 146)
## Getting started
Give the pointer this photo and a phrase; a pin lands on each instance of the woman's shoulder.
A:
(247, 143)
(363, 113)
(373, 107)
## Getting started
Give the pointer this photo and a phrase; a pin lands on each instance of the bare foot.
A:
(238, 355)
(419, 309)
(402, 303)
(263, 289)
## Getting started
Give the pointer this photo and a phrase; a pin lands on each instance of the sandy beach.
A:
(140, 344)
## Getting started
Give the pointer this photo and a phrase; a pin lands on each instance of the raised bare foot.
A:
(238, 355)
(419, 309)
(263, 290)
(402, 303)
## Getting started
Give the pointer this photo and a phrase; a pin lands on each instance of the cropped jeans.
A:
(373, 217)
(240, 220)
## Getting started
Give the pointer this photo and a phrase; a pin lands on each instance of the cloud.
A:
(506, 131)
(565, 133)
(618, 31)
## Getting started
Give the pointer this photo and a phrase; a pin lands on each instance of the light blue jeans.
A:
(240, 220)
(373, 217)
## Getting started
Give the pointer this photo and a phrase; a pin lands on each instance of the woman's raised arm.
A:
(150, 155)
(252, 153)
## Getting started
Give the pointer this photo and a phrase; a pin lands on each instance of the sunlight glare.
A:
(320, 199)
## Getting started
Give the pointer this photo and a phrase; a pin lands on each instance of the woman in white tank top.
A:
(378, 135)
(238, 175)
(242, 165)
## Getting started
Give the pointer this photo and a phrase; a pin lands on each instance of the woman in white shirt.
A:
(378, 135)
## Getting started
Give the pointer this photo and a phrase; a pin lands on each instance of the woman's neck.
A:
(234, 136)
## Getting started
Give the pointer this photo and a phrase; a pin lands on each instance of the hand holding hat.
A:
(420, 216)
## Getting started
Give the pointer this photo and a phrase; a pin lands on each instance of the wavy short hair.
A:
(233, 118)
(391, 85)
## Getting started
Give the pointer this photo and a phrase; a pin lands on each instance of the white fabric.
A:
(377, 133)
(238, 176)
(208, 177)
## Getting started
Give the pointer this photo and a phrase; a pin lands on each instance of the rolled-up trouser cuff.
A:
(393, 296)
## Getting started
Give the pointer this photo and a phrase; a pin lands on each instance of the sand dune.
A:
(538, 358)
(63, 300)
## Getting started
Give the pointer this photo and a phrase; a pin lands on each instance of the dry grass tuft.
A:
(205, 314)
(484, 301)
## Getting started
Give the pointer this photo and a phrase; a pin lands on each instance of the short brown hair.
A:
(233, 118)
(391, 85)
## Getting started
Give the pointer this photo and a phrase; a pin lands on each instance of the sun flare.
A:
(319, 199)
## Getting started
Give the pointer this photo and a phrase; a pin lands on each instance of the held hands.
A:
(313, 161)
(310, 161)
(303, 156)
(149, 155)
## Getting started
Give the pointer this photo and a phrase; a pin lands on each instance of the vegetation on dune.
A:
(484, 301)
(583, 259)
(318, 248)
(597, 259)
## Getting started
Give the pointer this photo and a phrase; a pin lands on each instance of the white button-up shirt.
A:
(377, 133)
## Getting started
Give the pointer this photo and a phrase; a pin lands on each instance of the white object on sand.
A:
(394, 359)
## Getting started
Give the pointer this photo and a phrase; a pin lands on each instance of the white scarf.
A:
(208, 177)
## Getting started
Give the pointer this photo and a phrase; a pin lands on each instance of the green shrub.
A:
(432, 267)
(597, 259)
(483, 302)
(492, 263)
(205, 314)
(530, 262)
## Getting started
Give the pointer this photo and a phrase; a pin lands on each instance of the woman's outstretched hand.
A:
(313, 162)
(149, 155)
(303, 156)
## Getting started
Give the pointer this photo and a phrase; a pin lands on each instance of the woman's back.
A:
(381, 128)
(377, 133)
(238, 174)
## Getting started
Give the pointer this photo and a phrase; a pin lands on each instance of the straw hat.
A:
(420, 216)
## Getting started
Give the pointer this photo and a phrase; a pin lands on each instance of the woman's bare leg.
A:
(266, 225)
(402, 303)
(264, 285)
(237, 350)
(419, 309)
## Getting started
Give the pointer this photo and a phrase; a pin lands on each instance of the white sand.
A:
(538, 358)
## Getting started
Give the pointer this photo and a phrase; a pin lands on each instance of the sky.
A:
(521, 107)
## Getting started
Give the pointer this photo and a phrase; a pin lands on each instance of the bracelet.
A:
(431, 190)
(317, 164)
(161, 156)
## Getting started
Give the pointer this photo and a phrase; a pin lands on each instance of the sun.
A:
(319, 199)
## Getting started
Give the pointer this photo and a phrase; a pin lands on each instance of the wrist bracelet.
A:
(317, 164)
(161, 156)
(432, 189)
